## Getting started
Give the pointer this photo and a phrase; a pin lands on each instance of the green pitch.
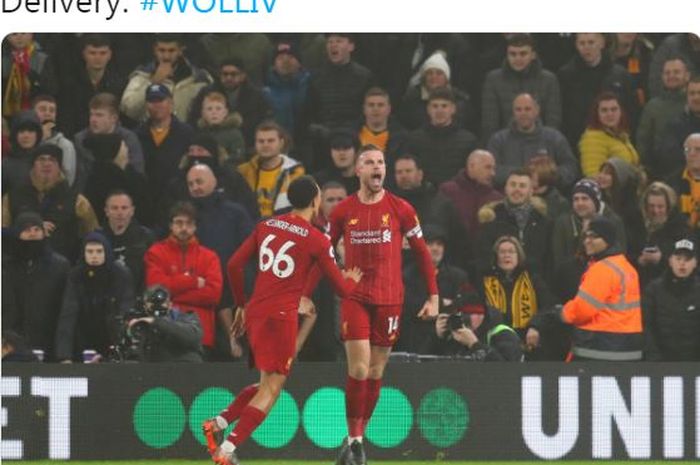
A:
(374, 462)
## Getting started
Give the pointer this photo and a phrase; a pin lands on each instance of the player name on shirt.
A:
(283, 225)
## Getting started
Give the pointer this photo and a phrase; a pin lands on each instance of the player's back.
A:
(287, 248)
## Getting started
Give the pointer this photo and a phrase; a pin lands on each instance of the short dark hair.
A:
(104, 100)
(183, 209)
(519, 172)
(520, 40)
(695, 79)
(116, 192)
(442, 93)
(43, 98)
(377, 91)
(332, 185)
(96, 40)
(302, 191)
(411, 157)
(169, 37)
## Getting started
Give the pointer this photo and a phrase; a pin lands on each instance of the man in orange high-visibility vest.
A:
(605, 313)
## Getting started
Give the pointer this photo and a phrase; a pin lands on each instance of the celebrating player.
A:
(373, 223)
(287, 247)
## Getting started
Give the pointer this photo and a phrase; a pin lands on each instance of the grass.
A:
(374, 462)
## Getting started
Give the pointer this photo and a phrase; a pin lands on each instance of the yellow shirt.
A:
(159, 135)
(265, 190)
(378, 139)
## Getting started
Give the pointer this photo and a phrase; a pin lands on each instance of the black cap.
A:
(48, 149)
(157, 92)
(684, 247)
(343, 139)
(434, 232)
(604, 228)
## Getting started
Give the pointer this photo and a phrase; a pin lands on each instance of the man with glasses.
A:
(686, 183)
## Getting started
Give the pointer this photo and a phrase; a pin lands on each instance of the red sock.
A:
(251, 417)
(355, 394)
(233, 411)
(373, 389)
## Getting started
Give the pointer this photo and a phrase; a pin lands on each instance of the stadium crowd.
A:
(136, 160)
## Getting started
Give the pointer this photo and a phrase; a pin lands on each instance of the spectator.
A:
(343, 148)
(26, 73)
(686, 182)
(441, 145)
(46, 109)
(435, 73)
(379, 127)
(545, 177)
(622, 185)
(519, 215)
(253, 51)
(164, 139)
(633, 52)
(651, 244)
(586, 75)
(680, 127)
(33, 282)
(605, 314)
(472, 188)
(112, 171)
(205, 150)
(218, 122)
(482, 336)
(287, 86)
(244, 98)
(416, 334)
(586, 202)
(129, 239)
(67, 215)
(332, 193)
(431, 206)
(98, 293)
(527, 138)
(96, 75)
(685, 46)
(25, 135)
(187, 269)
(222, 226)
(169, 69)
(606, 136)
(104, 119)
(658, 112)
(669, 305)
(15, 349)
(522, 72)
(270, 171)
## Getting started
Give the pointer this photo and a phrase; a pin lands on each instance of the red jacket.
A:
(177, 269)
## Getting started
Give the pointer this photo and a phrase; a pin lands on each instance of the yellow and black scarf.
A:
(18, 90)
(523, 299)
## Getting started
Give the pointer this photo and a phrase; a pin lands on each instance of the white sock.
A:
(221, 422)
(352, 439)
(227, 447)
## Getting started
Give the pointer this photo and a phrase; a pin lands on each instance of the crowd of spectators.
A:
(138, 160)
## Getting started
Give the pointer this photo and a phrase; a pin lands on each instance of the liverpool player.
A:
(372, 223)
(286, 248)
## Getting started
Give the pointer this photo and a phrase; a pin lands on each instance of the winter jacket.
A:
(177, 269)
(413, 112)
(227, 135)
(287, 96)
(290, 170)
(85, 156)
(656, 115)
(255, 51)
(597, 146)
(32, 291)
(670, 148)
(442, 151)
(502, 85)
(175, 337)
(69, 165)
(468, 197)
(513, 149)
(184, 86)
(671, 312)
(129, 249)
(16, 164)
(673, 46)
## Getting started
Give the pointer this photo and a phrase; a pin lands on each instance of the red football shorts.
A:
(378, 323)
(272, 343)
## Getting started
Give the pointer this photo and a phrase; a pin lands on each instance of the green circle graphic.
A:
(208, 404)
(443, 417)
(159, 418)
(281, 424)
(323, 417)
(392, 419)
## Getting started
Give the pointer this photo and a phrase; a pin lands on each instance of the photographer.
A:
(474, 330)
(158, 332)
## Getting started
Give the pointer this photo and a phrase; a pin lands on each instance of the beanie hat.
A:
(207, 142)
(343, 138)
(434, 232)
(604, 228)
(436, 61)
(48, 149)
(104, 147)
(27, 219)
(288, 47)
(591, 189)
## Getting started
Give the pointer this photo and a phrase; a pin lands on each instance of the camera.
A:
(132, 342)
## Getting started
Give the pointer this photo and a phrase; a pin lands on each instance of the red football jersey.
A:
(372, 236)
(286, 247)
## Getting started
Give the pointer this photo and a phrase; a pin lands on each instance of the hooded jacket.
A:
(289, 171)
(95, 300)
(16, 166)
